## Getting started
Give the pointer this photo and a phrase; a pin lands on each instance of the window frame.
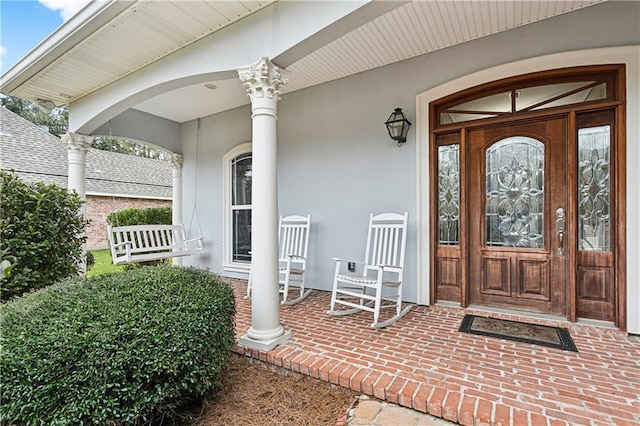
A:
(228, 264)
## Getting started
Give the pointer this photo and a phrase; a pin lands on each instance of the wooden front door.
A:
(517, 202)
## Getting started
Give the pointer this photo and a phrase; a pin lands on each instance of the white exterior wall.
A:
(337, 163)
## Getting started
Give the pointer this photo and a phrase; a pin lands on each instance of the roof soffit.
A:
(405, 30)
(102, 44)
(269, 32)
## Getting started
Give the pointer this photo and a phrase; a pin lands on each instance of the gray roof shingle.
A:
(38, 156)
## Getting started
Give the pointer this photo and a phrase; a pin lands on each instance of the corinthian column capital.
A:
(176, 161)
(263, 79)
(76, 142)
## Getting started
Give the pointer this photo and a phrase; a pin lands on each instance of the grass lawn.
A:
(103, 264)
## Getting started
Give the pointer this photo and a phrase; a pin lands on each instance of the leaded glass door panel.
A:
(517, 225)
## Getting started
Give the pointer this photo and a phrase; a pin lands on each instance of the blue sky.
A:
(25, 23)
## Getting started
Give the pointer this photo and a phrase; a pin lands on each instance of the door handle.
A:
(560, 230)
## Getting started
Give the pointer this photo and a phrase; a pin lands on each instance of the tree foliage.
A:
(129, 147)
(56, 121)
(41, 234)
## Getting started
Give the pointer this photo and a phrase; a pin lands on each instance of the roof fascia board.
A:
(92, 17)
(117, 195)
(265, 33)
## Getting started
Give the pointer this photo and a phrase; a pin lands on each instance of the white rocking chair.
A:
(293, 244)
(379, 284)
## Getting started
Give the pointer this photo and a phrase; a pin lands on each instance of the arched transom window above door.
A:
(535, 94)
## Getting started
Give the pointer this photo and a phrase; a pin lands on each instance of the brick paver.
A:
(476, 379)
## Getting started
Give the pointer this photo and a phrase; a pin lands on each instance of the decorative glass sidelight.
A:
(515, 193)
(594, 203)
(448, 194)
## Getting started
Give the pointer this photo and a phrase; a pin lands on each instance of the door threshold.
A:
(521, 314)
(515, 315)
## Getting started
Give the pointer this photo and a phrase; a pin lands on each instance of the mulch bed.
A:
(256, 394)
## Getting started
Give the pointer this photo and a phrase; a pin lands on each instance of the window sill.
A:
(237, 267)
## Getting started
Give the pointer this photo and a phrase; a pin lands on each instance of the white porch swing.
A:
(143, 243)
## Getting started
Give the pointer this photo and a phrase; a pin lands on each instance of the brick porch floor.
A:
(423, 362)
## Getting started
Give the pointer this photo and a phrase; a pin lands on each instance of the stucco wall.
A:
(335, 159)
(218, 134)
(336, 162)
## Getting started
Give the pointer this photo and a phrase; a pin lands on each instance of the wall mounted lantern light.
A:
(398, 126)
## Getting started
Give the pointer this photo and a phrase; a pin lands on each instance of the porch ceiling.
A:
(109, 52)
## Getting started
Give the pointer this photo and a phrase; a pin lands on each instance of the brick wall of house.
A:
(98, 207)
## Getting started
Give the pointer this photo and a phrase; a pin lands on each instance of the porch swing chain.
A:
(194, 212)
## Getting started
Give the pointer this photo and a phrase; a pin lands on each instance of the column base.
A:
(264, 345)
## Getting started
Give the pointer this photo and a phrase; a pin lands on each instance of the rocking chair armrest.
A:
(295, 256)
(390, 267)
(337, 259)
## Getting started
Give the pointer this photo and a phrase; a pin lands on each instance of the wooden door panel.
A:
(533, 279)
(521, 273)
(595, 292)
(496, 277)
(448, 274)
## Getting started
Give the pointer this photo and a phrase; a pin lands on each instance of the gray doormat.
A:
(544, 335)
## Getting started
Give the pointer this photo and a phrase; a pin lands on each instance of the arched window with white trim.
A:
(237, 208)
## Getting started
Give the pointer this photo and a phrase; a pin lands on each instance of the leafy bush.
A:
(118, 349)
(41, 228)
(146, 216)
(6, 264)
(90, 260)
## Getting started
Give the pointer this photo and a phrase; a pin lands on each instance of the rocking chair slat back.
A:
(293, 243)
(387, 244)
(293, 236)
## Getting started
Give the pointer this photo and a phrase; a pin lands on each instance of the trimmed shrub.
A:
(118, 349)
(42, 229)
(145, 216)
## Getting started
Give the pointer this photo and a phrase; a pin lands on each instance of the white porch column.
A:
(263, 80)
(77, 146)
(176, 199)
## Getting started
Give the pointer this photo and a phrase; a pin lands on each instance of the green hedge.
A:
(116, 349)
(145, 216)
(41, 230)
